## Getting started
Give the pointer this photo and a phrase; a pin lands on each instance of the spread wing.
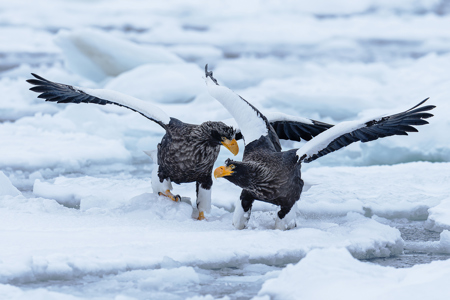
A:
(62, 93)
(252, 123)
(296, 128)
(292, 128)
(345, 133)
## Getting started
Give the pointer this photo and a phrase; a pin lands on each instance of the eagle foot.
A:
(201, 216)
(168, 194)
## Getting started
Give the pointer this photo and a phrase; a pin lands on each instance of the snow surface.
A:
(164, 83)
(84, 52)
(439, 216)
(334, 274)
(77, 217)
(6, 187)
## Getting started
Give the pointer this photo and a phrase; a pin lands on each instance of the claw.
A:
(168, 194)
(210, 74)
(201, 216)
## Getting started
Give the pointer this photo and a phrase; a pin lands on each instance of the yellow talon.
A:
(170, 195)
(201, 216)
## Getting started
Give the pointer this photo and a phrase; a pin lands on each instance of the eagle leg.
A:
(168, 194)
(243, 210)
(203, 197)
(286, 217)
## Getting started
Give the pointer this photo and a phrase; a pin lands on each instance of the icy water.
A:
(236, 283)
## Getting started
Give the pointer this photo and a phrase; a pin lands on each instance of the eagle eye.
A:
(232, 167)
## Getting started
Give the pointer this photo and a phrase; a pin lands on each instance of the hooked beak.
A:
(222, 171)
(231, 145)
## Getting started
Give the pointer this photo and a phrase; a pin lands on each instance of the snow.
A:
(147, 231)
(334, 274)
(439, 216)
(77, 216)
(27, 147)
(400, 191)
(6, 187)
(164, 83)
(97, 55)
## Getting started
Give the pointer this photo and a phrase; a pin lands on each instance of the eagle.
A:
(274, 176)
(187, 152)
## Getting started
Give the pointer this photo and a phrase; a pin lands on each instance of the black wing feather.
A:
(398, 124)
(63, 93)
(295, 130)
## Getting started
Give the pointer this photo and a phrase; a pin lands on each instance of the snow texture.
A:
(334, 274)
(6, 187)
(84, 52)
(77, 216)
(439, 216)
(164, 83)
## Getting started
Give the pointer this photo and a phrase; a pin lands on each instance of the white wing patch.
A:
(322, 140)
(277, 116)
(250, 123)
(143, 107)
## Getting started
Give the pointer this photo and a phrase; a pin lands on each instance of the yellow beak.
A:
(231, 145)
(222, 171)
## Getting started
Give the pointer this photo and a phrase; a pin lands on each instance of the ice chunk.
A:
(142, 234)
(400, 191)
(445, 241)
(28, 148)
(14, 293)
(97, 55)
(335, 274)
(162, 82)
(6, 187)
(201, 54)
(439, 216)
(19, 101)
(90, 192)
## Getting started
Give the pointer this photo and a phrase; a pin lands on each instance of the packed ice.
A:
(78, 219)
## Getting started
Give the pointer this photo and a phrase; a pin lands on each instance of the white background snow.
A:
(77, 216)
